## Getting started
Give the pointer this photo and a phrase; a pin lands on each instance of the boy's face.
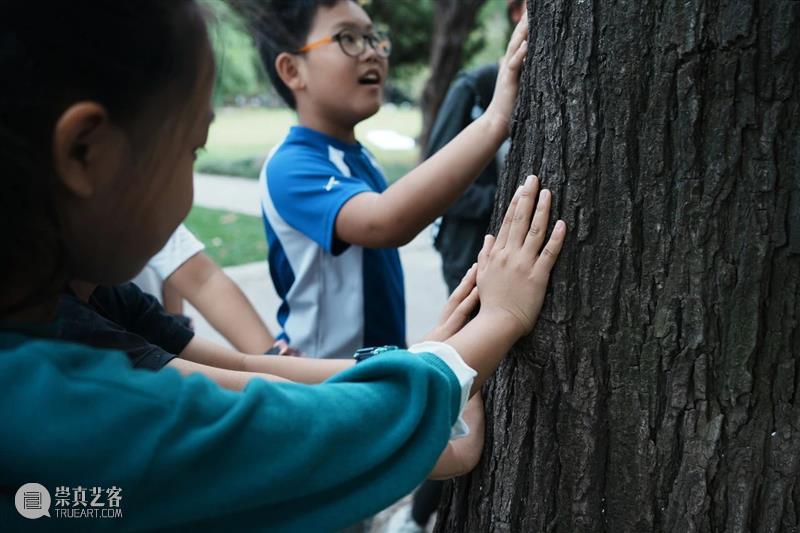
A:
(344, 89)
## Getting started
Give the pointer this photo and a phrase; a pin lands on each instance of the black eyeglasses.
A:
(354, 44)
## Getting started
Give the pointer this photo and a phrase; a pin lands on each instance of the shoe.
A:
(401, 522)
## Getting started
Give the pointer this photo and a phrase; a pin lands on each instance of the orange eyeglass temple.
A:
(314, 44)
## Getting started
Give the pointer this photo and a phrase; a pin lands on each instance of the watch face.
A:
(365, 353)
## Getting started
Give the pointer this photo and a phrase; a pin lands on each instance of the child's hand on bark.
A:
(514, 268)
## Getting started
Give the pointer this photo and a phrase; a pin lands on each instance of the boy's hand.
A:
(507, 85)
(513, 268)
(458, 309)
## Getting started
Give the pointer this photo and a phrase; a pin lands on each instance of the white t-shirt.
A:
(180, 247)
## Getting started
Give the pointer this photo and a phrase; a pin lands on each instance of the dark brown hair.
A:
(279, 26)
(122, 54)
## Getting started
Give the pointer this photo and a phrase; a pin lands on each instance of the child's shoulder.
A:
(297, 151)
(293, 159)
(303, 154)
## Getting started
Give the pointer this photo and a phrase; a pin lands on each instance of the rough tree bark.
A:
(660, 390)
(453, 20)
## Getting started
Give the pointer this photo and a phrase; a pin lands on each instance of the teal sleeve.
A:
(280, 456)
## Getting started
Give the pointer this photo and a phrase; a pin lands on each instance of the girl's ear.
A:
(85, 148)
(288, 68)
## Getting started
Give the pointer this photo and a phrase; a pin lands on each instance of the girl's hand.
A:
(459, 308)
(507, 85)
(462, 455)
(282, 348)
(513, 268)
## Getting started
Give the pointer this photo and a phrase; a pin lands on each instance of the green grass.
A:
(240, 139)
(230, 238)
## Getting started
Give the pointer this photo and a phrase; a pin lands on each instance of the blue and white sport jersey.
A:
(336, 297)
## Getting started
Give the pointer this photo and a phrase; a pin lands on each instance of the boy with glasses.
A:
(332, 224)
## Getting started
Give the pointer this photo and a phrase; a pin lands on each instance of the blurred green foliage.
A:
(409, 23)
(239, 72)
(241, 78)
(488, 40)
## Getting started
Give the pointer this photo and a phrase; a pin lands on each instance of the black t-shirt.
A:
(124, 318)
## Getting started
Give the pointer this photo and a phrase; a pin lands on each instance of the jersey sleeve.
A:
(180, 247)
(308, 191)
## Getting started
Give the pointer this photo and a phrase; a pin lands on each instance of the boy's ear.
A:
(85, 145)
(288, 69)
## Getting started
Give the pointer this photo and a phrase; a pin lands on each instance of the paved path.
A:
(426, 291)
(223, 192)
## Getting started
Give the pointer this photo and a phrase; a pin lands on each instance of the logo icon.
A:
(33, 501)
(331, 182)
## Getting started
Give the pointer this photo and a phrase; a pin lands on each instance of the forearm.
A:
(229, 311)
(228, 379)
(207, 352)
(483, 343)
(461, 455)
(173, 301)
(298, 369)
(422, 195)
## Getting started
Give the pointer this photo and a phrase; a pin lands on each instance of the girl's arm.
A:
(397, 215)
(457, 311)
(227, 379)
(358, 442)
(206, 286)
(458, 458)
(298, 369)
(173, 301)
(461, 455)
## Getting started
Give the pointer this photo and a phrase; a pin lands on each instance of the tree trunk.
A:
(453, 20)
(660, 390)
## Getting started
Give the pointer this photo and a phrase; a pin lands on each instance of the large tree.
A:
(660, 390)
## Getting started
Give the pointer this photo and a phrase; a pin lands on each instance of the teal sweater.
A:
(186, 453)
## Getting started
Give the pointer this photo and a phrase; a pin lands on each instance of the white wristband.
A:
(464, 373)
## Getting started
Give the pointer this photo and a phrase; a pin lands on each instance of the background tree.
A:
(239, 71)
(452, 22)
(660, 390)
(409, 23)
(413, 29)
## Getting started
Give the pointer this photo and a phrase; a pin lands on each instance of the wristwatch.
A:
(365, 353)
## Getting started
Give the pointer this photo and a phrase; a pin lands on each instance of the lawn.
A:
(240, 139)
(230, 238)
